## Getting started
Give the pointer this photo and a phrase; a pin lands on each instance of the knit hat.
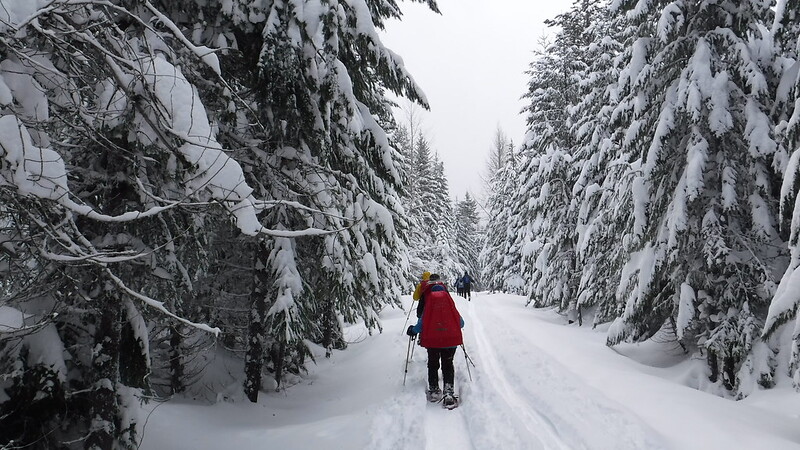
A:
(426, 275)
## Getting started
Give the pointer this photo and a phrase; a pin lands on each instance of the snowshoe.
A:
(449, 399)
(434, 394)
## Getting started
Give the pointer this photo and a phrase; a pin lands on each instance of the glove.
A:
(410, 331)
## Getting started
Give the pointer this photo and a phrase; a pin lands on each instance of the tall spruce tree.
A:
(782, 317)
(548, 174)
(430, 214)
(313, 81)
(599, 165)
(501, 254)
(468, 239)
(697, 94)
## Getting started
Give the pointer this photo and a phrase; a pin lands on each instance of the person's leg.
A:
(468, 292)
(433, 367)
(448, 371)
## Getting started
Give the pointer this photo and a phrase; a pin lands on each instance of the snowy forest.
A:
(185, 177)
(656, 188)
(181, 178)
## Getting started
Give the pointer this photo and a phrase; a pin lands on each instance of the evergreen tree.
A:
(468, 239)
(600, 167)
(317, 100)
(782, 315)
(420, 212)
(430, 214)
(443, 235)
(500, 256)
(548, 173)
(697, 94)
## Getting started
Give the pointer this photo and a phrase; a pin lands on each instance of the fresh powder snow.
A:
(536, 384)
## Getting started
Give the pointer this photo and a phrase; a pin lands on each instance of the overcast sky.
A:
(470, 61)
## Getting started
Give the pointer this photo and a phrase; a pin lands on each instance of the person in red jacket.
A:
(439, 328)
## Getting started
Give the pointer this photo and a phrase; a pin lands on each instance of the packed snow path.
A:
(537, 384)
(519, 398)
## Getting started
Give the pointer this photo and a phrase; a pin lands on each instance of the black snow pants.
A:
(448, 371)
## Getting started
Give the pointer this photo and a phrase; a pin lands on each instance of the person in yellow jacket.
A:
(420, 289)
(421, 286)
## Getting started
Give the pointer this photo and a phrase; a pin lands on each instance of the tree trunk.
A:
(331, 334)
(105, 407)
(256, 331)
(327, 332)
(254, 356)
(278, 356)
(175, 359)
(729, 372)
(134, 358)
(713, 365)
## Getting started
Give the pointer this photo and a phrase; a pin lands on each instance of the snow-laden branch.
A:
(206, 54)
(41, 172)
(101, 257)
(83, 250)
(159, 305)
(266, 204)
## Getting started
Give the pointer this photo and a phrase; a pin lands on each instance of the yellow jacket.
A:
(418, 290)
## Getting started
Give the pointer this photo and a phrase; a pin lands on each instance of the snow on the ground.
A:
(536, 384)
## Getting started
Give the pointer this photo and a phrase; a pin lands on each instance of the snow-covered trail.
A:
(537, 384)
(518, 397)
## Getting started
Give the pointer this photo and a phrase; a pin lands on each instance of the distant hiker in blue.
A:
(442, 325)
(466, 282)
(459, 286)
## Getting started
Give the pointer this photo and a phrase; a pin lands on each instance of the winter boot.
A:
(433, 393)
(449, 399)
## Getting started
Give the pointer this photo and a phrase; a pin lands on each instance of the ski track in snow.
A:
(562, 409)
(519, 397)
(508, 388)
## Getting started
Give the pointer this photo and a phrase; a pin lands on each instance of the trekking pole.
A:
(467, 356)
(468, 361)
(408, 317)
(409, 351)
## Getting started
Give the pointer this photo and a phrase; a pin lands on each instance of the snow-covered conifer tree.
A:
(782, 316)
(501, 253)
(419, 206)
(468, 240)
(548, 173)
(599, 187)
(429, 211)
(697, 94)
(313, 79)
